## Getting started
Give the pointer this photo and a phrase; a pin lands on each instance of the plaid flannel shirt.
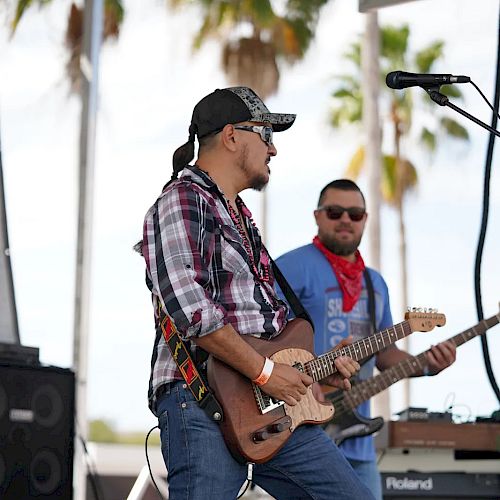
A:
(198, 271)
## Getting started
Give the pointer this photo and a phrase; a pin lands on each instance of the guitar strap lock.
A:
(188, 369)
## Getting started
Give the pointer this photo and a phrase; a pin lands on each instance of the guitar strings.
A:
(341, 401)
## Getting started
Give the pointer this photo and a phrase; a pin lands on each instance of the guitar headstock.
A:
(424, 319)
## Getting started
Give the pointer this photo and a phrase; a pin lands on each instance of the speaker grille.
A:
(47, 405)
(45, 472)
(36, 432)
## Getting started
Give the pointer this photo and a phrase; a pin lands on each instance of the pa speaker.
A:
(37, 407)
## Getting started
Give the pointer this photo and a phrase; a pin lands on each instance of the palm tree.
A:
(254, 38)
(113, 18)
(399, 174)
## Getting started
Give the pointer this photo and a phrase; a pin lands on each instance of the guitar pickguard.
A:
(309, 410)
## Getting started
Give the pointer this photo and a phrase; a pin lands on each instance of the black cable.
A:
(94, 477)
(249, 475)
(484, 224)
(147, 460)
(484, 97)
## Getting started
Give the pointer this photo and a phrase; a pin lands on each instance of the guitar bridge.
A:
(265, 402)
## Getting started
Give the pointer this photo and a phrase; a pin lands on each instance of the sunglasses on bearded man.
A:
(334, 212)
(265, 131)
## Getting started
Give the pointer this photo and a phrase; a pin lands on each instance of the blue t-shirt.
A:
(315, 284)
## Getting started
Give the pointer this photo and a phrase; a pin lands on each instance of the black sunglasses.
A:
(265, 132)
(334, 212)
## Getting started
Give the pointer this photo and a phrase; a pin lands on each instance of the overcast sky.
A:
(149, 83)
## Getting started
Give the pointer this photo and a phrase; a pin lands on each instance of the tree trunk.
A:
(381, 404)
(404, 292)
(371, 122)
(401, 183)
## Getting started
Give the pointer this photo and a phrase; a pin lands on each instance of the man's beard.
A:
(256, 180)
(339, 248)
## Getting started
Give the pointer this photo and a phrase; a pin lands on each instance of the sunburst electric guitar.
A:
(348, 423)
(255, 425)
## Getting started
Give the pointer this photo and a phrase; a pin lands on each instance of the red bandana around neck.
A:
(348, 274)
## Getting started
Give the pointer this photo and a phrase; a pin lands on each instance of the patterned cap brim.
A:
(279, 121)
(259, 112)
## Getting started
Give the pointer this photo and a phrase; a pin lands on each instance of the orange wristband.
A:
(265, 374)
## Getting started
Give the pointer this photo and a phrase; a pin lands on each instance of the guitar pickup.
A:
(276, 427)
(265, 402)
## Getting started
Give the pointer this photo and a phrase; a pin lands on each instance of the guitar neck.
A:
(324, 365)
(364, 390)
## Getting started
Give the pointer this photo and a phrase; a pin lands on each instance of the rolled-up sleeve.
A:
(178, 244)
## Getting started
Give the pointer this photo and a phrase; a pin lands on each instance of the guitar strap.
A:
(194, 380)
(292, 299)
(371, 300)
(298, 308)
(371, 307)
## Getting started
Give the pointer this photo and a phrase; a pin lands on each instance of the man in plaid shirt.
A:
(210, 277)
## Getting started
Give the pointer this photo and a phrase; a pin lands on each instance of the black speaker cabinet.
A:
(37, 408)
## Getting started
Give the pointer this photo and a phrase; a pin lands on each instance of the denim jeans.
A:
(200, 467)
(369, 475)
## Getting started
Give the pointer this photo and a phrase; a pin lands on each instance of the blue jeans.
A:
(369, 475)
(200, 467)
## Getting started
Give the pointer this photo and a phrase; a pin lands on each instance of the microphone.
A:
(402, 79)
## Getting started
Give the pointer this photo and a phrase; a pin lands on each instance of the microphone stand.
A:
(442, 100)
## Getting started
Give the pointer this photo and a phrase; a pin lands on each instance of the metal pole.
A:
(89, 64)
(9, 330)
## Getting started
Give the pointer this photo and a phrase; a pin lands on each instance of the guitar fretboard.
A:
(324, 365)
(367, 388)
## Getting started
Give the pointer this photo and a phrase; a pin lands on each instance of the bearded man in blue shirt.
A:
(328, 278)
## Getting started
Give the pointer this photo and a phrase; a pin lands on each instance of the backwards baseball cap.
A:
(223, 107)
(234, 105)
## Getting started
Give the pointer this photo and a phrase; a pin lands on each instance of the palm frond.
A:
(21, 7)
(356, 164)
(394, 44)
(454, 129)
(342, 93)
(353, 54)
(428, 139)
(451, 91)
(349, 112)
(391, 175)
(425, 58)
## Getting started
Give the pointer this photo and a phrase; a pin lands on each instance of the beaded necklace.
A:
(263, 275)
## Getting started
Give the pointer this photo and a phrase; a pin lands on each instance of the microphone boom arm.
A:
(442, 100)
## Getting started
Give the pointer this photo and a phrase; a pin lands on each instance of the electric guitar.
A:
(348, 423)
(255, 425)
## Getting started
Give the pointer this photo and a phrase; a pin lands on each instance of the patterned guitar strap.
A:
(194, 380)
